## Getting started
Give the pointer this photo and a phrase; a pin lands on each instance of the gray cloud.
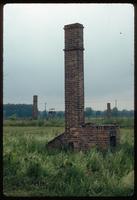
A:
(34, 57)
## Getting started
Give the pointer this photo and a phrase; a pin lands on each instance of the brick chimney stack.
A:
(108, 110)
(88, 135)
(74, 76)
(35, 107)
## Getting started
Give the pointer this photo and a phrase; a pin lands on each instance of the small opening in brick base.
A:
(112, 141)
(71, 145)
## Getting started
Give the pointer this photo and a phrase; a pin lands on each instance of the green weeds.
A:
(32, 170)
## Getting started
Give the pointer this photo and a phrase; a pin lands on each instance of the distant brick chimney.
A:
(108, 110)
(35, 107)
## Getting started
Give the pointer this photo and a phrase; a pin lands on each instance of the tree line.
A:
(25, 111)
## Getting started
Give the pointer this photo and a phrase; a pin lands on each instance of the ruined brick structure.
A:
(84, 138)
(35, 107)
(78, 135)
(108, 110)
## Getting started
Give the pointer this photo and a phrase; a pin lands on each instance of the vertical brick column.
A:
(35, 107)
(74, 76)
(108, 110)
(1, 60)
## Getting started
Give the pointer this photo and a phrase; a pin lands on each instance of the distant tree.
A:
(98, 113)
(60, 114)
(44, 114)
(88, 112)
(131, 113)
(20, 110)
(126, 113)
(13, 117)
(114, 112)
(104, 113)
(25, 111)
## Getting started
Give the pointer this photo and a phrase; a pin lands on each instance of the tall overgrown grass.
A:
(123, 122)
(55, 122)
(30, 169)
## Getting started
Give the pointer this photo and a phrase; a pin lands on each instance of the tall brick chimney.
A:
(35, 107)
(74, 76)
(88, 135)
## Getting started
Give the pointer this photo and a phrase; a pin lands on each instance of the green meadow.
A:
(30, 169)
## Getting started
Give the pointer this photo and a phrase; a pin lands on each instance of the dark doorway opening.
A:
(112, 141)
(71, 145)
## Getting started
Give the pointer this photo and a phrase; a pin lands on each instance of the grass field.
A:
(29, 169)
(127, 122)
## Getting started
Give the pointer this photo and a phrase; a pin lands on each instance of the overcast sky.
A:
(34, 57)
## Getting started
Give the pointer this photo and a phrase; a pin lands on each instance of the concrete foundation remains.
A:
(35, 107)
(79, 135)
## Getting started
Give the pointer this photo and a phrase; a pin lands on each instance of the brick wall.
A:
(84, 138)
